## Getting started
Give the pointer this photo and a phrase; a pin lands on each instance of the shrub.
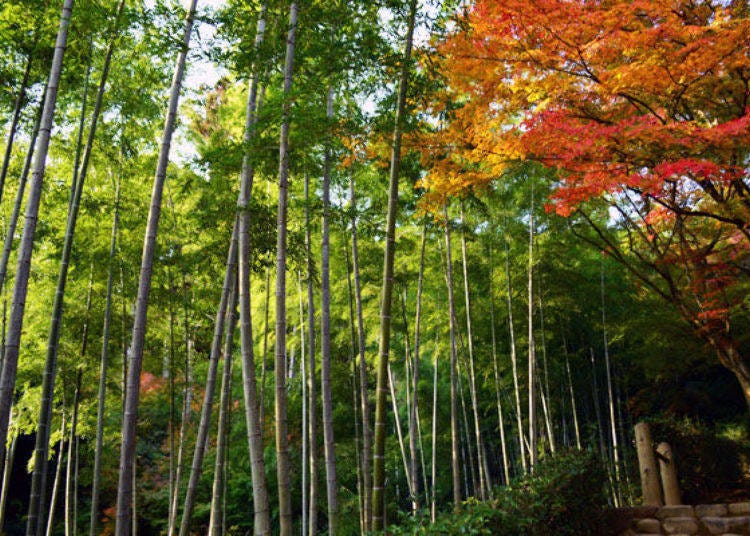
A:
(564, 496)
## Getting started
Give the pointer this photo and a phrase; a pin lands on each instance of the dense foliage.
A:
(586, 162)
(565, 495)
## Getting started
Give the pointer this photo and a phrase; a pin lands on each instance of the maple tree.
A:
(641, 108)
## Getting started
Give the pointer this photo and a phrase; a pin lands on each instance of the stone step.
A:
(724, 525)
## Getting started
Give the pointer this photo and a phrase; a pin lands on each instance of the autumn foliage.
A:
(640, 105)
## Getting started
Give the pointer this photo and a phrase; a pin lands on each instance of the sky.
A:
(203, 72)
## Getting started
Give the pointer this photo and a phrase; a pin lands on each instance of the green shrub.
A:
(564, 496)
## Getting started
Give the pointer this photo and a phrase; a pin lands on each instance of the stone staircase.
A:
(724, 519)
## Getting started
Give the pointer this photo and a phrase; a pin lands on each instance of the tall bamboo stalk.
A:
(364, 398)
(7, 469)
(353, 380)
(484, 484)
(455, 470)
(413, 414)
(282, 443)
(433, 462)
(264, 360)
(39, 475)
(399, 433)
(325, 340)
(514, 356)
(56, 483)
(253, 420)
(572, 401)
(17, 107)
(185, 417)
(216, 521)
(471, 490)
(228, 297)
(357, 447)
(597, 409)
(500, 423)
(532, 348)
(81, 127)
(103, 366)
(305, 438)
(411, 431)
(79, 179)
(10, 362)
(127, 449)
(610, 397)
(70, 484)
(312, 383)
(18, 202)
(381, 409)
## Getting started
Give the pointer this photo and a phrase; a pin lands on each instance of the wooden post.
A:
(668, 472)
(647, 465)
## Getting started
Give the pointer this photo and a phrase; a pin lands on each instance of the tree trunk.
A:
(170, 371)
(325, 341)
(134, 511)
(364, 398)
(484, 484)
(50, 368)
(10, 362)
(17, 107)
(532, 348)
(544, 388)
(597, 409)
(41, 447)
(123, 337)
(455, 470)
(304, 436)
(433, 464)
(7, 469)
(264, 363)
(228, 297)
(17, 204)
(79, 137)
(127, 449)
(70, 518)
(413, 414)
(399, 433)
(421, 457)
(407, 392)
(353, 379)
(500, 423)
(573, 404)
(282, 444)
(250, 391)
(216, 526)
(184, 419)
(176, 460)
(312, 382)
(731, 358)
(56, 482)
(466, 444)
(610, 399)
(514, 357)
(381, 409)
(104, 363)
(357, 447)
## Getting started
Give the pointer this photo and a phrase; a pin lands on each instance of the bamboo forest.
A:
(374, 267)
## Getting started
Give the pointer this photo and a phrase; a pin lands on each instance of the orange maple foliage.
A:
(646, 95)
(644, 104)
